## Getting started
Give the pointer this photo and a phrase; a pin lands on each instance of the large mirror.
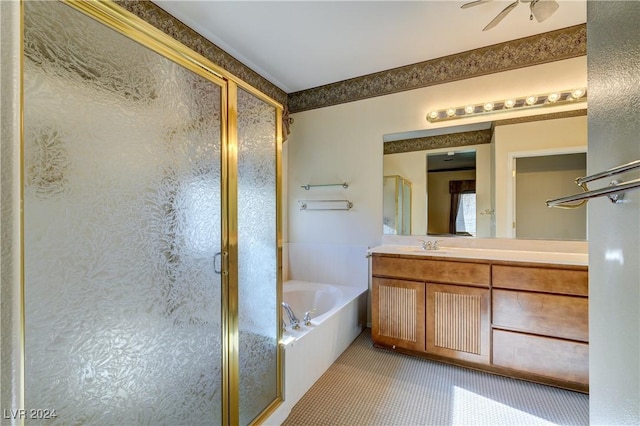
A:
(489, 179)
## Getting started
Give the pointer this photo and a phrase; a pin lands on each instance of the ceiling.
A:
(298, 45)
(453, 160)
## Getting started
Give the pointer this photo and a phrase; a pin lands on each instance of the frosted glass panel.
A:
(122, 224)
(396, 192)
(257, 254)
(390, 225)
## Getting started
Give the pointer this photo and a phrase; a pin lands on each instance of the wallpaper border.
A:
(541, 117)
(452, 140)
(552, 46)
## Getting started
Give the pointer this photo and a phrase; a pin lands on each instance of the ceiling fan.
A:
(540, 9)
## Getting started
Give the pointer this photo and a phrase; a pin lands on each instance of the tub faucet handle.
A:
(307, 317)
(436, 244)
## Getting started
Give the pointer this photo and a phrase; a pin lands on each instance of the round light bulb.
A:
(509, 103)
(433, 115)
(488, 106)
(578, 93)
(531, 100)
(451, 112)
(469, 109)
(553, 97)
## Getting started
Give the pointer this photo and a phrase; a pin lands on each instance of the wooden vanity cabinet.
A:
(438, 307)
(525, 320)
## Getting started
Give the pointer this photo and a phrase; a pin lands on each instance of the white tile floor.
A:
(370, 386)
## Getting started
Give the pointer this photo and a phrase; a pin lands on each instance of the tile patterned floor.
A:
(370, 386)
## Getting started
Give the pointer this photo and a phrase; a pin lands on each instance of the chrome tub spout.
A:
(293, 320)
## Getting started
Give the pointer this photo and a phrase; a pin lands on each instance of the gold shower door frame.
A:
(124, 22)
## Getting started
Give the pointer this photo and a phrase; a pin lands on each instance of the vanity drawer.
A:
(549, 357)
(439, 271)
(547, 314)
(548, 280)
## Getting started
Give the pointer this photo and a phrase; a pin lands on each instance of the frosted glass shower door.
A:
(122, 227)
(257, 255)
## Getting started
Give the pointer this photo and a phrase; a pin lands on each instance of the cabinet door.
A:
(458, 322)
(397, 313)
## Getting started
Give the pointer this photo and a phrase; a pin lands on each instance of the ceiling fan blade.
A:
(542, 9)
(474, 3)
(500, 16)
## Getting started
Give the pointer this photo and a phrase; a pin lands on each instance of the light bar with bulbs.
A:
(512, 104)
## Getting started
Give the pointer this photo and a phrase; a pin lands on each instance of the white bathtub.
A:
(339, 317)
(321, 300)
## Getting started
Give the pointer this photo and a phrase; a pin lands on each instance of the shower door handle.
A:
(217, 256)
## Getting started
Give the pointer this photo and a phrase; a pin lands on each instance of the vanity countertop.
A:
(550, 257)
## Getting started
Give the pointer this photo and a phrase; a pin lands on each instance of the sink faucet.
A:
(293, 320)
(426, 245)
(430, 245)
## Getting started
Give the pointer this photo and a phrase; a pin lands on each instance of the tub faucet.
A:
(293, 320)
(307, 317)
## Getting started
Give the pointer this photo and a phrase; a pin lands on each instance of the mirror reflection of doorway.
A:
(451, 191)
(540, 178)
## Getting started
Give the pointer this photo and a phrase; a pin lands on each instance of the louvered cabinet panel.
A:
(458, 322)
(397, 315)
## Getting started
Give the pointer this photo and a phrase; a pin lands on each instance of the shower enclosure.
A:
(151, 230)
(396, 193)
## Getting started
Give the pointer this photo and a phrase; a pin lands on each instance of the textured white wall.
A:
(614, 229)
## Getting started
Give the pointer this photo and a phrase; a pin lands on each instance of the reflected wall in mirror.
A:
(500, 148)
(542, 177)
